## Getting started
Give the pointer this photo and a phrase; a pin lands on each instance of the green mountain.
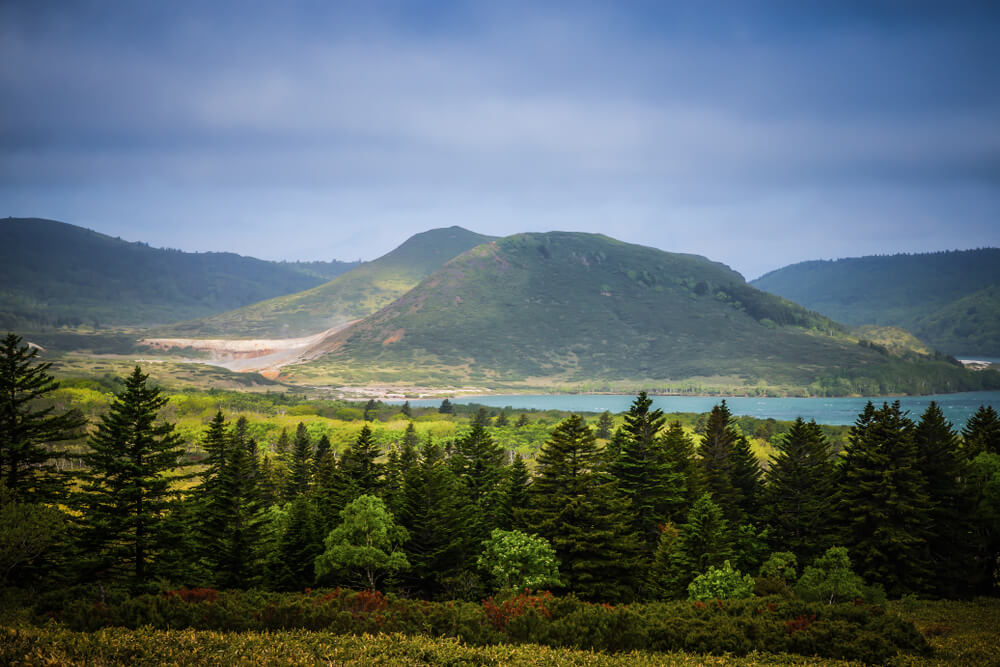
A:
(57, 274)
(951, 300)
(351, 296)
(575, 311)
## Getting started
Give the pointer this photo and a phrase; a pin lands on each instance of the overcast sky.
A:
(318, 130)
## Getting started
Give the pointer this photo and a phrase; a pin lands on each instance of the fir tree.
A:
(126, 489)
(951, 535)
(576, 506)
(405, 410)
(882, 501)
(481, 418)
(371, 409)
(271, 481)
(515, 494)
(799, 492)
(446, 407)
(322, 447)
(283, 446)
(478, 462)
(604, 425)
(522, 421)
(392, 481)
(729, 469)
(501, 419)
(211, 510)
(301, 464)
(360, 468)
(436, 514)
(291, 567)
(26, 429)
(643, 473)
(678, 451)
(706, 537)
(982, 432)
(330, 491)
(236, 556)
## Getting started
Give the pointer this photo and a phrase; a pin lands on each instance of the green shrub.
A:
(830, 579)
(722, 583)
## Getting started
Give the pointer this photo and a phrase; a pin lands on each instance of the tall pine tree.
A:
(729, 469)
(359, 466)
(126, 486)
(982, 432)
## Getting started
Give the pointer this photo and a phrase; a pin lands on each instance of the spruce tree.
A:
(330, 491)
(291, 565)
(436, 514)
(604, 425)
(678, 450)
(405, 410)
(522, 421)
(478, 461)
(514, 495)
(126, 487)
(392, 481)
(446, 407)
(729, 469)
(501, 419)
(27, 430)
(882, 502)
(799, 493)
(359, 466)
(237, 554)
(283, 445)
(982, 432)
(575, 505)
(951, 535)
(210, 507)
(301, 464)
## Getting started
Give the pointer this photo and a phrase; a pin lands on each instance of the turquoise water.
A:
(956, 407)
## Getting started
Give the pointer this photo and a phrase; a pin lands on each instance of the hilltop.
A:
(578, 311)
(56, 274)
(350, 296)
(950, 300)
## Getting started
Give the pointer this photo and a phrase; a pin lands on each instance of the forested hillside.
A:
(349, 297)
(54, 274)
(583, 311)
(950, 300)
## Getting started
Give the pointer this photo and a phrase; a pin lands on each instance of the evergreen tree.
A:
(322, 447)
(643, 472)
(237, 553)
(482, 418)
(683, 552)
(478, 462)
(882, 501)
(576, 506)
(514, 494)
(982, 432)
(729, 469)
(408, 451)
(446, 407)
(271, 481)
(799, 493)
(604, 425)
(291, 567)
(392, 481)
(436, 514)
(360, 468)
(678, 450)
(371, 409)
(405, 410)
(522, 421)
(210, 510)
(125, 490)
(301, 464)
(26, 429)
(501, 419)
(951, 534)
(283, 446)
(330, 491)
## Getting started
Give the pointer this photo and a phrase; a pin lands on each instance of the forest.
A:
(616, 533)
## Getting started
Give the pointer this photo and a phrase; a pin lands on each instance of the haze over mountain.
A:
(951, 300)
(348, 297)
(585, 311)
(53, 274)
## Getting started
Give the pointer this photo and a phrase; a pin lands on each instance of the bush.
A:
(721, 584)
(830, 579)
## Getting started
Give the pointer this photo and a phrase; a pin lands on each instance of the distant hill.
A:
(587, 312)
(56, 274)
(349, 297)
(951, 300)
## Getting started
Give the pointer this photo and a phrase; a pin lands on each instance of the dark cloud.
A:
(755, 136)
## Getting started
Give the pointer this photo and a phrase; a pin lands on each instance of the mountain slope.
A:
(583, 311)
(948, 299)
(348, 297)
(53, 273)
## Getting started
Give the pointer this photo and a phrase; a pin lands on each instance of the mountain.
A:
(577, 311)
(348, 297)
(54, 274)
(951, 300)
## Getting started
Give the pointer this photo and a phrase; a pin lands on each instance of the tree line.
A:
(644, 512)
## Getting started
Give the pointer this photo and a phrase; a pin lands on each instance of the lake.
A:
(956, 407)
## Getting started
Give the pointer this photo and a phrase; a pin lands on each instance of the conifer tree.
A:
(446, 407)
(126, 489)
(330, 491)
(26, 428)
(982, 432)
(405, 410)
(359, 466)
(522, 421)
(322, 447)
(237, 553)
(576, 506)
(301, 464)
(270, 481)
(501, 419)
(951, 535)
(882, 501)
(678, 450)
(604, 425)
(392, 481)
(644, 475)
(729, 469)
(799, 492)
(408, 455)
(291, 567)
(478, 462)
(706, 537)
(515, 494)
(371, 408)
(211, 511)
(436, 514)
(482, 418)
(283, 446)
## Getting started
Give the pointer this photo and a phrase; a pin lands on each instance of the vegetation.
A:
(949, 299)
(582, 311)
(57, 275)
(351, 296)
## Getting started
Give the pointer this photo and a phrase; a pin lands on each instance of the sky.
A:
(758, 134)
